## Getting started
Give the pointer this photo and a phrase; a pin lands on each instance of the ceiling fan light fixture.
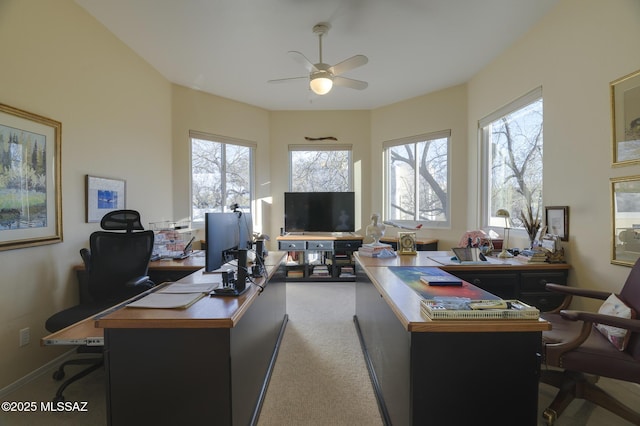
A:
(321, 82)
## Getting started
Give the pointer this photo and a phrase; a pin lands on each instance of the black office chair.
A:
(116, 266)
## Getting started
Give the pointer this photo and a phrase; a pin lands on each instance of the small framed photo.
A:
(557, 221)
(625, 119)
(103, 195)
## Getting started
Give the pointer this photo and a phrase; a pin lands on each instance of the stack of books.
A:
(295, 273)
(533, 256)
(320, 271)
(347, 272)
(370, 250)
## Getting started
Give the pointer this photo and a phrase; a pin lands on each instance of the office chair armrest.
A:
(569, 292)
(591, 317)
(574, 291)
(138, 281)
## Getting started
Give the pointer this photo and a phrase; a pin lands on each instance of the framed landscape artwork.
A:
(625, 119)
(103, 195)
(30, 179)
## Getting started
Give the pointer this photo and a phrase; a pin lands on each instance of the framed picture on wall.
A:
(103, 195)
(625, 211)
(625, 119)
(30, 179)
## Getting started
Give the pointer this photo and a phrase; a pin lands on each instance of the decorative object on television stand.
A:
(505, 214)
(375, 229)
(531, 224)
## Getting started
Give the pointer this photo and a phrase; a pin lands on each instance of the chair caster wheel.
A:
(58, 375)
(549, 416)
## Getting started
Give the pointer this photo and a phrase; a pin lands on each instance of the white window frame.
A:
(324, 147)
(485, 148)
(225, 140)
(443, 134)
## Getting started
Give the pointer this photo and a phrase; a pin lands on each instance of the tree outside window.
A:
(320, 169)
(514, 143)
(221, 175)
(417, 180)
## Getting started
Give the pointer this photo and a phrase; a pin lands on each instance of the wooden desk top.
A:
(208, 312)
(192, 263)
(405, 302)
(438, 258)
(320, 236)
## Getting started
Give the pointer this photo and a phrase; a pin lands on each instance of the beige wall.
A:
(194, 110)
(291, 127)
(573, 53)
(442, 110)
(57, 61)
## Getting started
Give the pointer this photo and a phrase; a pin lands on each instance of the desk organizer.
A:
(433, 310)
(171, 238)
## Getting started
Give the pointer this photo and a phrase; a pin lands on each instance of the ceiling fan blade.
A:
(286, 80)
(351, 83)
(302, 60)
(349, 64)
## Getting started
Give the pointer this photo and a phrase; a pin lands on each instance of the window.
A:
(512, 160)
(317, 168)
(417, 179)
(221, 174)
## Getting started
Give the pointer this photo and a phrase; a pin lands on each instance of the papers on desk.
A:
(175, 296)
(177, 288)
(491, 261)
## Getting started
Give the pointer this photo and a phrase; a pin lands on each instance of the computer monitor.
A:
(222, 235)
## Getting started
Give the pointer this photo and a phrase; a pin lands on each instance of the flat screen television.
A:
(319, 211)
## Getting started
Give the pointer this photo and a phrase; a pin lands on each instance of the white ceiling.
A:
(230, 48)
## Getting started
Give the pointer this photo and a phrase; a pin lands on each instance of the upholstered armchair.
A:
(583, 346)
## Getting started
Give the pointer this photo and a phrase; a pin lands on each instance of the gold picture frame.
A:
(625, 214)
(30, 179)
(407, 243)
(625, 119)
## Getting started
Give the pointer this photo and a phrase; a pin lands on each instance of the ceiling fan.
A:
(323, 76)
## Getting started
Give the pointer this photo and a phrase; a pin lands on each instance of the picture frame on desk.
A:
(30, 181)
(103, 195)
(557, 221)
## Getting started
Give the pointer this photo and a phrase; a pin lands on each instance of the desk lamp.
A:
(504, 254)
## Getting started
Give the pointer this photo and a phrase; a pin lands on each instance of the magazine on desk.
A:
(456, 308)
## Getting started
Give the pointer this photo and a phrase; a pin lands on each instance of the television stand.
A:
(320, 256)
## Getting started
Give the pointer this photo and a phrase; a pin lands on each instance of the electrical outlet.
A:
(25, 336)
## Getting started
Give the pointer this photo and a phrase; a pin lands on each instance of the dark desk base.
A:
(198, 376)
(446, 378)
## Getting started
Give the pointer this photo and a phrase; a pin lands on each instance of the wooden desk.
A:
(207, 364)
(445, 371)
(508, 279)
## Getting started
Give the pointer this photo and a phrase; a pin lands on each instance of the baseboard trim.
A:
(377, 390)
(35, 374)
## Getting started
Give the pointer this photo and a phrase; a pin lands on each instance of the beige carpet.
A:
(320, 377)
